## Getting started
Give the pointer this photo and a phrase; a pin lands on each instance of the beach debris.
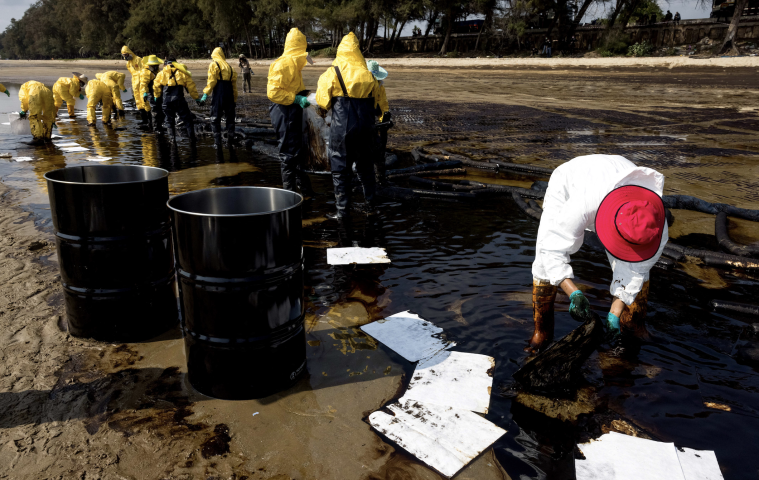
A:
(358, 255)
(445, 438)
(453, 379)
(409, 336)
(66, 143)
(615, 456)
(98, 158)
(24, 159)
(5, 155)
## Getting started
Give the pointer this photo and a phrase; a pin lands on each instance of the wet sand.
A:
(82, 409)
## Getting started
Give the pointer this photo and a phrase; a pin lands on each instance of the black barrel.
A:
(112, 232)
(239, 261)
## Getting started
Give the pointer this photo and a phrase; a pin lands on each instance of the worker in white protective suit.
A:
(609, 195)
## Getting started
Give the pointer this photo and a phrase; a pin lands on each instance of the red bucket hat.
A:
(630, 223)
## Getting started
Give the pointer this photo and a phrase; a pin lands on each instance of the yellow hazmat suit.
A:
(219, 69)
(359, 81)
(146, 77)
(66, 89)
(172, 75)
(285, 78)
(134, 65)
(115, 82)
(37, 101)
(2, 88)
(97, 91)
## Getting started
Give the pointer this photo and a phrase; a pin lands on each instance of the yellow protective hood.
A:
(295, 47)
(218, 56)
(125, 50)
(349, 53)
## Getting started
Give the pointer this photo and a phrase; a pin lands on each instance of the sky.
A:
(687, 8)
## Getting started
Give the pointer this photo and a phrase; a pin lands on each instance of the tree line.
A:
(257, 28)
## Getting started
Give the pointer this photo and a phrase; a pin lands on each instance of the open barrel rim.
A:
(226, 215)
(49, 176)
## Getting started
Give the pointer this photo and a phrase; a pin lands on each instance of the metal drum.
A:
(239, 260)
(112, 234)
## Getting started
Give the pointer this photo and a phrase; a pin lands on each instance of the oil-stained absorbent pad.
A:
(699, 464)
(349, 255)
(65, 144)
(74, 149)
(408, 335)
(24, 159)
(98, 159)
(453, 379)
(444, 438)
(64, 120)
(615, 456)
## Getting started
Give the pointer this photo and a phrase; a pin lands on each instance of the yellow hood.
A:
(125, 50)
(295, 47)
(349, 52)
(218, 55)
(99, 76)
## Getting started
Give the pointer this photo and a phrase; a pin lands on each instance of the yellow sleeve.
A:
(158, 84)
(190, 84)
(23, 95)
(121, 77)
(73, 90)
(325, 87)
(234, 82)
(2, 88)
(380, 98)
(274, 88)
(145, 80)
(213, 73)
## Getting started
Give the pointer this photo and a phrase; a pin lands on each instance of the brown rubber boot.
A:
(543, 297)
(633, 318)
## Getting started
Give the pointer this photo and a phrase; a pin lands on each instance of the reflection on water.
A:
(466, 269)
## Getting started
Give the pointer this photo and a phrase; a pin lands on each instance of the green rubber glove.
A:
(612, 321)
(22, 113)
(8, 93)
(579, 307)
(302, 101)
(55, 127)
(125, 90)
(203, 98)
(145, 96)
(81, 97)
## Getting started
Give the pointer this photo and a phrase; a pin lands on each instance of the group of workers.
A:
(356, 96)
(605, 194)
(159, 95)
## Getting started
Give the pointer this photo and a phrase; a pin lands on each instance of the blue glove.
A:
(612, 321)
(8, 93)
(81, 97)
(302, 101)
(579, 307)
(22, 113)
(203, 98)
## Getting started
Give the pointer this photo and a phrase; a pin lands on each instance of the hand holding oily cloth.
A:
(630, 224)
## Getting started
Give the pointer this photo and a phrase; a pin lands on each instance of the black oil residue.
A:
(218, 443)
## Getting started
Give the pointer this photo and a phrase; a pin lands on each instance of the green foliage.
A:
(453, 54)
(640, 49)
(330, 52)
(614, 43)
